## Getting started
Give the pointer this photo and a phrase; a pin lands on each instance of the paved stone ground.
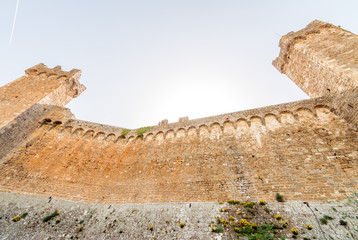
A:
(131, 221)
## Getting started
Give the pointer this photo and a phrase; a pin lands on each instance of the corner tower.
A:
(322, 59)
(26, 100)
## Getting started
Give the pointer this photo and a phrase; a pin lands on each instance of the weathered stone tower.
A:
(322, 60)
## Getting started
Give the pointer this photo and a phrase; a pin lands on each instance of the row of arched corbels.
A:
(265, 122)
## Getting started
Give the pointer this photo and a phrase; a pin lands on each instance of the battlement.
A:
(48, 72)
(260, 119)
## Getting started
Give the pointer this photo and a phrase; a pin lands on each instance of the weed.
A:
(124, 133)
(279, 197)
(24, 215)
(233, 202)
(218, 229)
(82, 221)
(141, 131)
(16, 219)
(323, 221)
(49, 217)
(267, 210)
(150, 227)
(328, 217)
(294, 231)
(343, 223)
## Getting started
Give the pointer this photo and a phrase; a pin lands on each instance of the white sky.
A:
(144, 61)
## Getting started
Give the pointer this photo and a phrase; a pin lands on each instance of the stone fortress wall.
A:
(306, 150)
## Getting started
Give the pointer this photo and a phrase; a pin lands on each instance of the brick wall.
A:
(301, 150)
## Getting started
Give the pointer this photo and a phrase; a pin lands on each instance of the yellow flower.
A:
(231, 218)
(238, 212)
(262, 202)
(284, 224)
(181, 225)
(278, 217)
(294, 231)
(16, 218)
(80, 229)
(254, 226)
(244, 222)
(308, 226)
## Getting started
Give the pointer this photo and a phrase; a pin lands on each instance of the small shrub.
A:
(294, 231)
(24, 215)
(244, 222)
(343, 223)
(218, 229)
(233, 202)
(284, 224)
(328, 217)
(181, 225)
(224, 222)
(49, 217)
(323, 221)
(16, 219)
(254, 226)
(267, 210)
(124, 133)
(142, 130)
(279, 197)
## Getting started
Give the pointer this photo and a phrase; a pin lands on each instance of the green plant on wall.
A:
(124, 133)
(142, 130)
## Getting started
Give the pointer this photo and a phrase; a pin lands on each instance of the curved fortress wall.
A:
(305, 150)
(300, 149)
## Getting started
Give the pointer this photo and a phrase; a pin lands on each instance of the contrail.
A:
(13, 24)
